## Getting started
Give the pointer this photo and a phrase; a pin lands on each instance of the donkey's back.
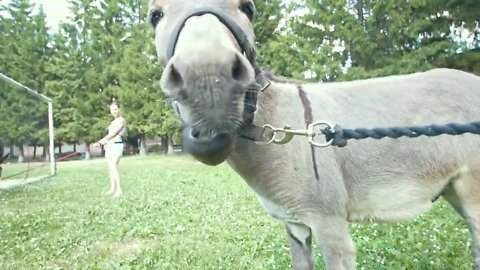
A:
(436, 95)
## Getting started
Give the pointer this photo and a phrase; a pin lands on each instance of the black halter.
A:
(247, 48)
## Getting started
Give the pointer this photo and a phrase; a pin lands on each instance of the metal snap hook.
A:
(267, 127)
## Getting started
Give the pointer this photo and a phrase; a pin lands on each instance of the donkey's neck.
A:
(278, 105)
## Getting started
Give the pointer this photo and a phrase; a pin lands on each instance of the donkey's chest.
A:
(280, 212)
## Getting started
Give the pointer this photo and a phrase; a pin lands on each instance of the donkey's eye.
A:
(155, 17)
(249, 9)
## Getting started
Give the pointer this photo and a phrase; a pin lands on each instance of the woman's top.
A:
(115, 125)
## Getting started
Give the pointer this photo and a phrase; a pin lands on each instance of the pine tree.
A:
(25, 62)
(357, 39)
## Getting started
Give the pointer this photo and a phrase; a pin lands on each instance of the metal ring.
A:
(265, 127)
(311, 129)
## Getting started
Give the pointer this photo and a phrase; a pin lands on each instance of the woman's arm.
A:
(113, 132)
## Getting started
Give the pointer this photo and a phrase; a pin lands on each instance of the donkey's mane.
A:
(268, 74)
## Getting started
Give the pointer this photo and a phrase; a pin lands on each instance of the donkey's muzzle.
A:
(211, 150)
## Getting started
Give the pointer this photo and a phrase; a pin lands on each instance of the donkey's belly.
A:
(394, 202)
(371, 213)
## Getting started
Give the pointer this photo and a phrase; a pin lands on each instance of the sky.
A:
(56, 10)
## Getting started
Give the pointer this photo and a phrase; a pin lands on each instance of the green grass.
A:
(179, 214)
(29, 169)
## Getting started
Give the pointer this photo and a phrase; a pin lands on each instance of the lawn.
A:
(29, 169)
(179, 214)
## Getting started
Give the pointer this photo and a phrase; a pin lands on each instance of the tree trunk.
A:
(34, 152)
(46, 151)
(88, 155)
(1, 149)
(143, 146)
(21, 155)
(74, 147)
(164, 142)
(360, 14)
(354, 55)
(171, 149)
(12, 149)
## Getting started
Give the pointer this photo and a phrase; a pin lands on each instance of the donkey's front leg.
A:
(334, 241)
(300, 240)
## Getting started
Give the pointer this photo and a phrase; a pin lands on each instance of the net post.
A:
(52, 142)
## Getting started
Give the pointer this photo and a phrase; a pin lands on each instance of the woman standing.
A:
(113, 145)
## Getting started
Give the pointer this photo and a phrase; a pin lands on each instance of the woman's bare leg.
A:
(111, 175)
(118, 188)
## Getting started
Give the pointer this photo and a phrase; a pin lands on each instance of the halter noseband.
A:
(235, 29)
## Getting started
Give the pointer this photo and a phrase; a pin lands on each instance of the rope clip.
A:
(285, 135)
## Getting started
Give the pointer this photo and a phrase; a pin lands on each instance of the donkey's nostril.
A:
(175, 76)
(195, 134)
(240, 71)
(173, 80)
(203, 135)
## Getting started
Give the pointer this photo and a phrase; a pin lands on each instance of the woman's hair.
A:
(115, 102)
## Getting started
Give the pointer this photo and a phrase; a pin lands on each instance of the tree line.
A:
(106, 50)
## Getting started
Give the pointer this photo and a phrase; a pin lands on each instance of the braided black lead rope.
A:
(339, 136)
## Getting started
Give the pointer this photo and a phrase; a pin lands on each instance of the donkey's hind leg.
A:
(464, 195)
(300, 240)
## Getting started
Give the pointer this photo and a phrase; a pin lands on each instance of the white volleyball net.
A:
(26, 130)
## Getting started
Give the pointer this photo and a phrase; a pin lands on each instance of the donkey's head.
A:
(206, 48)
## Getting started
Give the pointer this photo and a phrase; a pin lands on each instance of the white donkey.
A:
(206, 47)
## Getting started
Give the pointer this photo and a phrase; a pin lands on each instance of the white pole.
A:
(52, 146)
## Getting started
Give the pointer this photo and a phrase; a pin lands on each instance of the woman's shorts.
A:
(113, 149)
